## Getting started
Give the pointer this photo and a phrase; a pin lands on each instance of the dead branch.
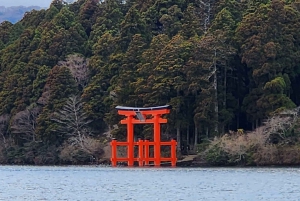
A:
(24, 123)
(73, 121)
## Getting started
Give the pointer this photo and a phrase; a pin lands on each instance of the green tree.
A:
(274, 99)
(268, 49)
(123, 88)
(59, 86)
(132, 24)
(171, 21)
(108, 20)
(5, 28)
(88, 15)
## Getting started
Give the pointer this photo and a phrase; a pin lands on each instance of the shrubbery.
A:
(35, 153)
(89, 152)
(274, 143)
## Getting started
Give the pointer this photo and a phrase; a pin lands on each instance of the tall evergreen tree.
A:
(59, 86)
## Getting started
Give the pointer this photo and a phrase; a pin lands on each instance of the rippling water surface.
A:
(108, 184)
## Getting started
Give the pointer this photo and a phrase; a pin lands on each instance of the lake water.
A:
(108, 184)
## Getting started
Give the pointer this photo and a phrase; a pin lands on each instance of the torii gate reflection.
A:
(136, 115)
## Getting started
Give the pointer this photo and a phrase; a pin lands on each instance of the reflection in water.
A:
(108, 184)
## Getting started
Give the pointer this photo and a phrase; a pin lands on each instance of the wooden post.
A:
(130, 138)
(141, 152)
(114, 152)
(146, 153)
(173, 152)
(157, 155)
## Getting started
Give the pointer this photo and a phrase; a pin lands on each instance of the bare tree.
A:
(73, 121)
(205, 13)
(24, 123)
(280, 123)
(78, 66)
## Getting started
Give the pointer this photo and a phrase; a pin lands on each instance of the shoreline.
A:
(193, 165)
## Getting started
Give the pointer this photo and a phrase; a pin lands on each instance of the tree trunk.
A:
(238, 115)
(225, 96)
(215, 85)
(256, 123)
(207, 133)
(188, 138)
(178, 138)
(207, 16)
(196, 138)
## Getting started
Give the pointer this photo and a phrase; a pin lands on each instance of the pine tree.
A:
(59, 86)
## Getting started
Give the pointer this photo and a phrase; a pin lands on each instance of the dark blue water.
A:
(108, 184)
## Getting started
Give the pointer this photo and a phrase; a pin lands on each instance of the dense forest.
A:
(226, 67)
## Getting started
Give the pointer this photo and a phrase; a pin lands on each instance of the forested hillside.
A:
(221, 64)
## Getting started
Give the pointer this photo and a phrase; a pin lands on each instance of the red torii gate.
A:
(136, 115)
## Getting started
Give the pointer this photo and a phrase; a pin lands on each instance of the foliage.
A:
(267, 145)
(89, 152)
(223, 65)
(215, 155)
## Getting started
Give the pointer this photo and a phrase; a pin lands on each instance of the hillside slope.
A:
(223, 65)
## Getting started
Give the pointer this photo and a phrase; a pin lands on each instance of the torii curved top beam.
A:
(143, 108)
